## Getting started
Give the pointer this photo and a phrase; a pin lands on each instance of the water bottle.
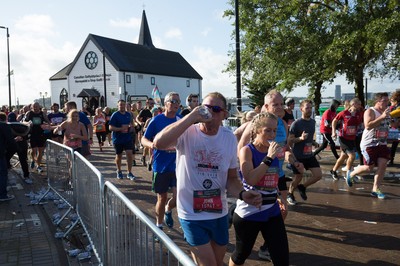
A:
(204, 112)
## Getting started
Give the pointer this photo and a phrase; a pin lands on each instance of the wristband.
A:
(241, 194)
(267, 161)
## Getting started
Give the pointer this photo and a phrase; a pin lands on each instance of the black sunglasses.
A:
(174, 101)
(214, 108)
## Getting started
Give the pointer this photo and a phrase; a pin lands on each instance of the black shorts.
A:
(347, 146)
(127, 146)
(37, 141)
(308, 163)
(163, 181)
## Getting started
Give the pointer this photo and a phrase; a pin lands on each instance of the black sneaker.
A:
(302, 191)
(291, 200)
(334, 175)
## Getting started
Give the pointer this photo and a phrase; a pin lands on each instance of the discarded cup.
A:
(74, 252)
(84, 256)
(59, 235)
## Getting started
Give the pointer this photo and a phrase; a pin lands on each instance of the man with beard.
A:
(301, 139)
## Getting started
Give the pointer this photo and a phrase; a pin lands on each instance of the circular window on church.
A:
(91, 60)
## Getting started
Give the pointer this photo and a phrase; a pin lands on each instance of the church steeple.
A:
(145, 36)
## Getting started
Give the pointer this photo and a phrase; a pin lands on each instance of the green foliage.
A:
(291, 43)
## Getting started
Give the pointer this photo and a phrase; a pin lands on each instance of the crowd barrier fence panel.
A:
(60, 175)
(132, 239)
(89, 187)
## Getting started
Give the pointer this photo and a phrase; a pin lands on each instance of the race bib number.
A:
(382, 134)
(36, 121)
(207, 201)
(307, 149)
(99, 127)
(73, 143)
(268, 182)
(351, 130)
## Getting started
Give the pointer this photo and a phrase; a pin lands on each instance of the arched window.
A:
(63, 97)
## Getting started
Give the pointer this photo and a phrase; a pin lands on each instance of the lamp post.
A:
(8, 56)
(43, 94)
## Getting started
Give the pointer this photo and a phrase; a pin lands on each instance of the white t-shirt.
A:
(202, 164)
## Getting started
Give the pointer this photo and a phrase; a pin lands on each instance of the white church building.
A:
(132, 71)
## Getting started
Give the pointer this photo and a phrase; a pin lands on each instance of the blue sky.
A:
(46, 35)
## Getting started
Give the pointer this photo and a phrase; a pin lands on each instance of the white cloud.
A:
(210, 66)
(205, 32)
(37, 25)
(34, 58)
(129, 23)
(175, 33)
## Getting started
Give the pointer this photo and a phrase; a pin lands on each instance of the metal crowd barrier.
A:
(132, 239)
(119, 233)
(88, 191)
(60, 177)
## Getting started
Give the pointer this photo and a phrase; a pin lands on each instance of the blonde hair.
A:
(70, 113)
(260, 121)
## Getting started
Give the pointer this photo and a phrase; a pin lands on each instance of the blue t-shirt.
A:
(280, 138)
(84, 120)
(56, 118)
(163, 161)
(117, 120)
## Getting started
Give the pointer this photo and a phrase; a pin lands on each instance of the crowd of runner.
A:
(201, 163)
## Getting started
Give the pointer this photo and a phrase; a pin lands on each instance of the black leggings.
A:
(101, 137)
(273, 231)
(327, 139)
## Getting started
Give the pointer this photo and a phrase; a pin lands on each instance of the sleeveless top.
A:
(376, 136)
(267, 186)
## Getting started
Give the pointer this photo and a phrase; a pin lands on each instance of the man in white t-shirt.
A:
(206, 167)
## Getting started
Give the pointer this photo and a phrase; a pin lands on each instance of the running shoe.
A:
(334, 175)
(302, 191)
(119, 175)
(32, 164)
(264, 254)
(378, 194)
(291, 200)
(39, 169)
(169, 221)
(131, 177)
(349, 179)
(156, 238)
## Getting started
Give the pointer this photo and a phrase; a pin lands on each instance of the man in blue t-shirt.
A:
(121, 127)
(164, 176)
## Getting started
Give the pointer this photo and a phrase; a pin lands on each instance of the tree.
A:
(292, 43)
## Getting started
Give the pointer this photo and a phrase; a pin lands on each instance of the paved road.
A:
(335, 226)
(331, 228)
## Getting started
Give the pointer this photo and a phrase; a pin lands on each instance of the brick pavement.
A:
(328, 229)
(26, 232)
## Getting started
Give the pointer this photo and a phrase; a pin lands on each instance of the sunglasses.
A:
(214, 108)
(174, 101)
